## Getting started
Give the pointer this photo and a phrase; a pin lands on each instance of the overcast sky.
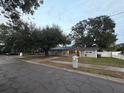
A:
(66, 13)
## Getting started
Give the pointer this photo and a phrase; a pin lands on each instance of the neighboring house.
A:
(59, 51)
(121, 48)
(70, 51)
(121, 44)
(89, 52)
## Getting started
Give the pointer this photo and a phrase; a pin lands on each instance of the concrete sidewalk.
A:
(93, 66)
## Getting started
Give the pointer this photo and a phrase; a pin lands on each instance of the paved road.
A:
(21, 77)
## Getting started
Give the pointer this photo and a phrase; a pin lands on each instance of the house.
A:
(89, 52)
(70, 51)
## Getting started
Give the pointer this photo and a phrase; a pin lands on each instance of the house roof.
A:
(74, 48)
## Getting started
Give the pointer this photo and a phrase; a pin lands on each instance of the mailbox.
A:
(75, 61)
(21, 54)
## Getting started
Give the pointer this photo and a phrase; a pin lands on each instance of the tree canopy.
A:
(29, 38)
(97, 31)
(12, 9)
(51, 37)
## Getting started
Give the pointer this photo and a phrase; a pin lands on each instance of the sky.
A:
(66, 13)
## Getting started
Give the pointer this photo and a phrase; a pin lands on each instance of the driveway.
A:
(21, 77)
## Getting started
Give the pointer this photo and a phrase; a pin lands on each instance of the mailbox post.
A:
(75, 61)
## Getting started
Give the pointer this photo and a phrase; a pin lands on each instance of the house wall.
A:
(105, 54)
(87, 53)
(81, 53)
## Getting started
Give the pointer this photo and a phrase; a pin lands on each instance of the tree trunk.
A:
(46, 53)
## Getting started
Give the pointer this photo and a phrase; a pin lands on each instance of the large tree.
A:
(12, 9)
(29, 38)
(51, 37)
(5, 33)
(22, 39)
(97, 31)
(18, 40)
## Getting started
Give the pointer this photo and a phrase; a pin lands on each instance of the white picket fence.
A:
(112, 54)
(118, 56)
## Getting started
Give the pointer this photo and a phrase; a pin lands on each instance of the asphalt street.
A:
(20, 77)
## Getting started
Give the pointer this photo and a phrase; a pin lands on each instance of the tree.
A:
(15, 40)
(47, 38)
(51, 37)
(29, 38)
(36, 37)
(22, 39)
(97, 31)
(5, 33)
(119, 47)
(11, 9)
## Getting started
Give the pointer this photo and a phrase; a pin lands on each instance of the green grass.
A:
(97, 61)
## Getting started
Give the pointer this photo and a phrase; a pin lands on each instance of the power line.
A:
(117, 14)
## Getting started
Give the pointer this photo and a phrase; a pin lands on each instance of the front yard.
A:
(115, 74)
(85, 60)
(97, 61)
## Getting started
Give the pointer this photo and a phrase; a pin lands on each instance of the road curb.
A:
(117, 80)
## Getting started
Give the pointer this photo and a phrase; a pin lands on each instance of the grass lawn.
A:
(98, 61)
(89, 70)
